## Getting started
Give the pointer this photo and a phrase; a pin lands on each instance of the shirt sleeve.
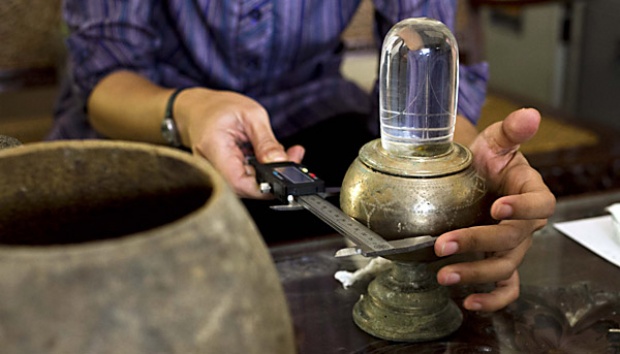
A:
(472, 79)
(106, 36)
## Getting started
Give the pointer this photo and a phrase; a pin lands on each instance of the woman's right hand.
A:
(219, 126)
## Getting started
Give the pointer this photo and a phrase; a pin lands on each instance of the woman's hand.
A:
(222, 126)
(523, 207)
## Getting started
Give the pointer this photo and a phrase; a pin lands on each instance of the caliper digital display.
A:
(293, 174)
(287, 179)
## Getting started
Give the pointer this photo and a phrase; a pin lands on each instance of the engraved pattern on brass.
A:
(399, 206)
(413, 181)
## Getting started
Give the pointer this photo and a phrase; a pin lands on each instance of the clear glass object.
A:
(418, 88)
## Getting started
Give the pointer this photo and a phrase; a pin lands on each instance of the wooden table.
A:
(569, 303)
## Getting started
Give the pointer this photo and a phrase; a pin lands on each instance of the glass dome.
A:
(418, 88)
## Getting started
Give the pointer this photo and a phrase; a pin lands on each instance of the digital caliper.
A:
(295, 184)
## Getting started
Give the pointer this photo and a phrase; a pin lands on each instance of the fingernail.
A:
(451, 279)
(504, 211)
(449, 248)
(474, 306)
(276, 156)
(248, 170)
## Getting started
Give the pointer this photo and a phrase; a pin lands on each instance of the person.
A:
(261, 76)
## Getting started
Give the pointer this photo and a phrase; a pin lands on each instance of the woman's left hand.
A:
(523, 207)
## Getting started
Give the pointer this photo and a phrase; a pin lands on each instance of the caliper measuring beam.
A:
(296, 185)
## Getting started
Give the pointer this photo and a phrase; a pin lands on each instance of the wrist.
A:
(187, 104)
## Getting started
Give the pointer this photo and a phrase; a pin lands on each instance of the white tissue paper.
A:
(600, 235)
(614, 210)
(371, 269)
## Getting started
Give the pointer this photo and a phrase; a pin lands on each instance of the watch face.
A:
(170, 133)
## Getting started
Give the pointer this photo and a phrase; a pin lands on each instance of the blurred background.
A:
(559, 56)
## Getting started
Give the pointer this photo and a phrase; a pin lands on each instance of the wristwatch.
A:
(169, 130)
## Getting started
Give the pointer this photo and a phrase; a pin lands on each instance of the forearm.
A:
(125, 105)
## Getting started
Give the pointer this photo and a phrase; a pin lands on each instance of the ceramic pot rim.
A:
(132, 240)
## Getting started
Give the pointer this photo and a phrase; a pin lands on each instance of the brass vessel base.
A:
(406, 304)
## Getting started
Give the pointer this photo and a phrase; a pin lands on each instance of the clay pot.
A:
(114, 247)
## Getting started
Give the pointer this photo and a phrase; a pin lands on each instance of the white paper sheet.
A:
(596, 234)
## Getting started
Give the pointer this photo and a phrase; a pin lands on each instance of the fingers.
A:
(492, 269)
(506, 292)
(526, 196)
(520, 126)
(499, 268)
(233, 167)
(296, 153)
(269, 150)
(258, 129)
(247, 187)
(509, 241)
(526, 206)
(505, 236)
(496, 147)
(223, 125)
(506, 136)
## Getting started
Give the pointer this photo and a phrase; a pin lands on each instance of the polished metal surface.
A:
(401, 197)
(414, 181)
(367, 242)
(400, 205)
(404, 245)
(365, 238)
(406, 304)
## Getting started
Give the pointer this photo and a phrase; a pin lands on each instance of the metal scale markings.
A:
(296, 185)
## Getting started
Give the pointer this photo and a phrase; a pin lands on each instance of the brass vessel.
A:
(396, 201)
(414, 181)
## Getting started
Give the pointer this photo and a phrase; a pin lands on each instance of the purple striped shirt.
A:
(286, 54)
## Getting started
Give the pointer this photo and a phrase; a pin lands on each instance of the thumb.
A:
(266, 148)
(506, 137)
